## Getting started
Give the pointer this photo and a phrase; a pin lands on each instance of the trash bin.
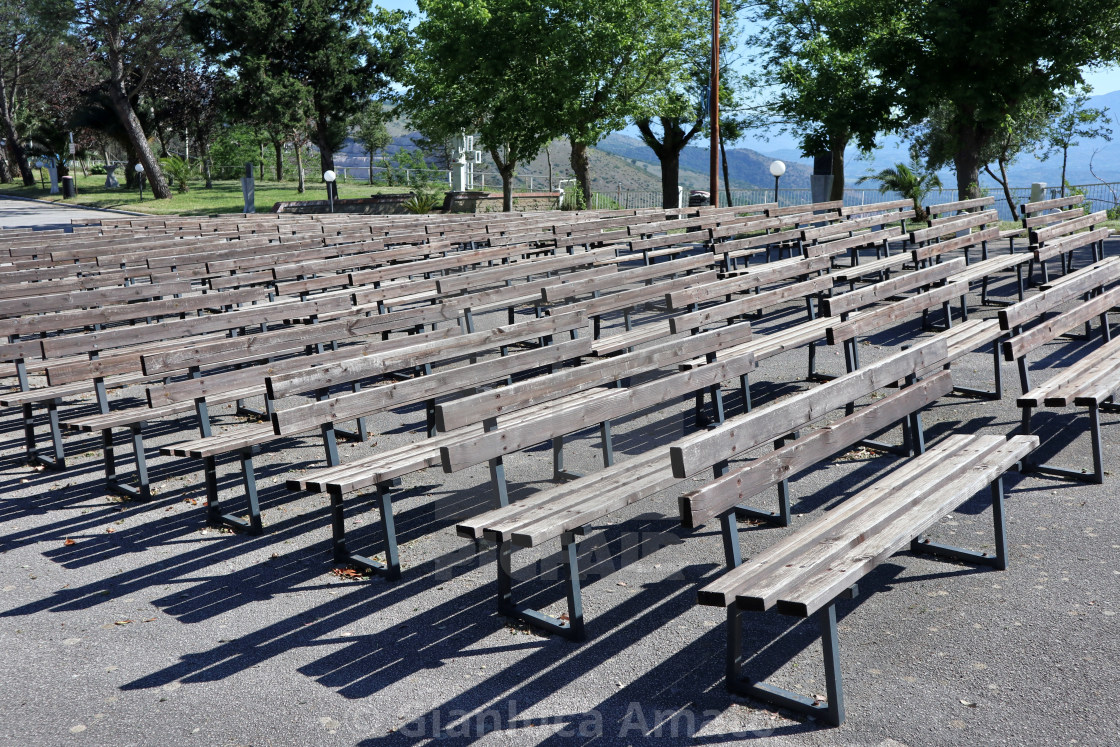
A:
(69, 189)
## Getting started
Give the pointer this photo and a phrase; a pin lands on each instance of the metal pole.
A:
(776, 178)
(713, 164)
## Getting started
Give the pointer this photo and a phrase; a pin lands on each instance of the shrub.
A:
(97, 170)
(179, 170)
(573, 197)
(424, 199)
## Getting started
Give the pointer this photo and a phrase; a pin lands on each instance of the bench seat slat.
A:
(826, 585)
(1065, 385)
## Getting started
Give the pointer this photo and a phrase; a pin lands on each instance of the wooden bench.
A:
(1061, 240)
(320, 415)
(1089, 382)
(486, 426)
(563, 512)
(804, 574)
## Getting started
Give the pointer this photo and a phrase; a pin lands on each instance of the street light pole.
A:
(777, 168)
(713, 115)
(329, 177)
(140, 179)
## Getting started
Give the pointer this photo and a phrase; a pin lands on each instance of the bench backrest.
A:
(724, 493)
(740, 434)
(1092, 279)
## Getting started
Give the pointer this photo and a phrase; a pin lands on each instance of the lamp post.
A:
(777, 168)
(140, 179)
(329, 177)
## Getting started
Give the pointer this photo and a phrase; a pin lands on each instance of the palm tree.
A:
(908, 182)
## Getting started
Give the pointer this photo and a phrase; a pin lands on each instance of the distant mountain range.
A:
(1105, 156)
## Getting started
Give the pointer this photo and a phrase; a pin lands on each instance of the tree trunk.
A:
(278, 146)
(206, 165)
(967, 162)
(837, 190)
(138, 140)
(668, 151)
(260, 165)
(17, 151)
(548, 158)
(506, 169)
(299, 167)
(1065, 160)
(726, 179)
(5, 168)
(581, 167)
(19, 155)
(326, 155)
(1002, 179)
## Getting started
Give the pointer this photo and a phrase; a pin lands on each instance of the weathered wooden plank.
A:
(885, 289)
(771, 272)
(499, 402)
(701, 450)
(756, 582)
(613, 404)
(1053, 204)
(748, 304)
(868, 321)
(960, 223)
(1051, 328)
(1065, 228)
(373, 399)
(742, 484)
(896, 534)
(937, 248)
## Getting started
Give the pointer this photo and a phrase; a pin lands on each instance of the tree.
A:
(907, 181)
(29, 29)
(828, 90)
(337, 49)
(680, 108)
(981, 61)
(128, 39)
(608, 56)
(371, 132)
(501, 90)
(1074, 120)
(52, 113)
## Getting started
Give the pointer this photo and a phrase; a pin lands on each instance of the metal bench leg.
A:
(732, 554)
(781, 517)
(391, 568)
(831, 711)
(253, 526)
(210, 478)
(56, 459)
(572, 628)
(558, 471)
(607, 439)
(143, 489)
(997, 560)
(997, 373)
(1096, 476)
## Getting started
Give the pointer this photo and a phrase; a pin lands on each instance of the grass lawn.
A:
(224, 197)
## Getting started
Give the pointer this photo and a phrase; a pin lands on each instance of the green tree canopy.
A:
(501, 89)
(827, 88)
(339, 51)
(981, 61)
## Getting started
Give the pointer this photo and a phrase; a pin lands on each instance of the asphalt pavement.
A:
(124, 623)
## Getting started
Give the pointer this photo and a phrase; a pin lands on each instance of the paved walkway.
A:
(16, 213)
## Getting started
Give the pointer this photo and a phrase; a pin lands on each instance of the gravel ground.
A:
(135, 624)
